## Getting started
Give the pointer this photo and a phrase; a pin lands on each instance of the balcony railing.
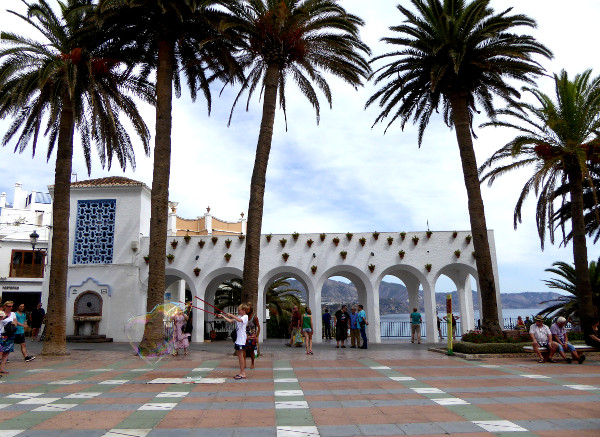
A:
(27, 271)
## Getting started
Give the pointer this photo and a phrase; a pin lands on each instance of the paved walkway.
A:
(387, 390)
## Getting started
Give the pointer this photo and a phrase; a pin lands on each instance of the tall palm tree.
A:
(457, 54)
(68, 81)
(567, 305)
(282, 40)
(174, 38)
(281, 297)
(558, 138)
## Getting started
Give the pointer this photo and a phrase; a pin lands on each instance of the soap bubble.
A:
(135, 326)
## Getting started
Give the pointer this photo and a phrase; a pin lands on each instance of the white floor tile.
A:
(426, 390)
(140, 370)
(127, 433)
(38, 370)
(173, 394)
(289, 393)
(489, 366)
(286, 380)
(171, 381)
(154, 406)
(380, 368)
(282, 368)
(450, 401)
(402, 378)
(114, 381)
(101, 370)
(210, 381)
(10, 432)
(55, 407)
(582, 387)
(38, 401)
(83, 395)
(66, 381)
(24, 395)
(290, 405)
(203, 369)
(5, 405)
(536, 376)
(297, 431)
(499, 426)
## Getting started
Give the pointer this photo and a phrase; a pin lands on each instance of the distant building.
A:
(22, 269)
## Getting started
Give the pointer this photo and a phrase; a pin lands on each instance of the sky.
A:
(345, 174)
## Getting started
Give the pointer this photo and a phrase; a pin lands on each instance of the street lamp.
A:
(33, 239)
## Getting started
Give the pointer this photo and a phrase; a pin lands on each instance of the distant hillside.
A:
(393, 298)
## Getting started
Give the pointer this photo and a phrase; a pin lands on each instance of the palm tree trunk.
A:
(55, 342)
(483, 258)
(257, 188)
(583, 285)
(154, 329)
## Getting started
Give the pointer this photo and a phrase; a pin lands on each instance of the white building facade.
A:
(108, 276)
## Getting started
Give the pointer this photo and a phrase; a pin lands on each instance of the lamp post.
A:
(33, 239)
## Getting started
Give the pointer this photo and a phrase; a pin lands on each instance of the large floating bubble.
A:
(136, 325)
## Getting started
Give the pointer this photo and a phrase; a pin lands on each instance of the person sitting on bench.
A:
(542, 337)
(559, 335)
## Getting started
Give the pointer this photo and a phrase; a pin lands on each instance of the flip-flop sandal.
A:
(239, 377)
(541, 361)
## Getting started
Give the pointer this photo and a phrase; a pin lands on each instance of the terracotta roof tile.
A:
(110, 181)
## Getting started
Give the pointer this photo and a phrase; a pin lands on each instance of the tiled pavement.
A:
(387, 390)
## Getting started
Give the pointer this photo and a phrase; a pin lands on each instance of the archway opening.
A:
(339, 289)
(225, 293)
(461, 287)
(282, 293)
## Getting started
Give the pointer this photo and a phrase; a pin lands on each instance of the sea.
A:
(506, 314)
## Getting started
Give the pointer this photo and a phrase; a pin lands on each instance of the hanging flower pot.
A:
(174, 244)
(343, 254)
(197, 271)
(457, 253)
(227, 257)
(309, 242)
(295, 236)
(390, 240)
(468, 239)
(349, 235)
(415, 240)
(147, 259)
(402, 235)
(402, 253)
(214, 240)
(322, 236)
(241, 237)
(429, 234)
(285, 256)
(376, 235)
(282, 242)
(201, 243)
(170, 258)
(454, 234)
(428, 267)
(313, 269)
(187, 239)
(228, 243)
(336, 241)
(362, 241)
(372, 267)
(268, 237)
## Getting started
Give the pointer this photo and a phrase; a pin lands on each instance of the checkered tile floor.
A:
(388, 390)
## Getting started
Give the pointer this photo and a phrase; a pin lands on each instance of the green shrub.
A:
(480, 338)
(572, 336)
(278, 328)
(489, 348)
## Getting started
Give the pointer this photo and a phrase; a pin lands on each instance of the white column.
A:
(430, 310)
(181, 291)
(208, 223)
(467, 315)
(373, 316)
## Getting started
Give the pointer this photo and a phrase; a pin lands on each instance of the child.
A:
(241, 320)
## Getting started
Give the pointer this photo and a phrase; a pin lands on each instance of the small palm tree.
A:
(71, 80)
(281, 297)
(283, 41)
(558, 138)
(229, 294)
(457, 54)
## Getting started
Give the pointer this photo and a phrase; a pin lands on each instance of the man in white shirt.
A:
(542, 337)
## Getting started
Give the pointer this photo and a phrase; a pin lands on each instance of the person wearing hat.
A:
(559, 335)
(542, 337)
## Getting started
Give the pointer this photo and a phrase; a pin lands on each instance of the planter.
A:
(457, 253)
(429, 234)
(454, 234)
(147, 259)
(227, 257)
(295, 236)
(362, 241)
(268, 237)
(214, 240)
(343, 254)
(170, 258)
(309, 242)
(174, 244)
(228, 243)
(187, 239)
(402, 235)
(201, 243)
(282, 242)
(285, 256)
(313, 269)
(336, 241)
(349, 235)
(197, 271)
(428, 267)
(401, 254)
(241, 237)
(376, 235)
(322, 236)
(371, 267)
(415, 240)
(468, 239)
(390, 240)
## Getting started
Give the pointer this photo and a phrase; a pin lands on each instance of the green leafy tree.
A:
(557, 138)
(69, 80)
(282, 41)
(458, 55)
(176, 39)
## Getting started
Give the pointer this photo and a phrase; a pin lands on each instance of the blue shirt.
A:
(415, 318)
(353, 321)
(22, 318)
(362, 316)
(327, 318)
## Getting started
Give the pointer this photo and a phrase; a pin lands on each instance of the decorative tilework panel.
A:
(95, 231)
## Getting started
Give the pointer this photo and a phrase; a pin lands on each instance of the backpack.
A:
(10, 330)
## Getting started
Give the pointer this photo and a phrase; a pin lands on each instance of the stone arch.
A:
(173, 275)
(460, 274)
(366, 296)
(284, 271)
(87, 313)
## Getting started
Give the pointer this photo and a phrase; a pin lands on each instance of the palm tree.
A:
(282, 40)
(567, 305)
(229, 294)
(174, 38)
(558, 138)
(280, 297)
(457, 55)
(68, 81)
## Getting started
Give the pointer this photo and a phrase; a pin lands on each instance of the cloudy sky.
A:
(343, 174)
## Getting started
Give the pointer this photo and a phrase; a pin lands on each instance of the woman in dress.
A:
(180, 339)
(252, 332)
(307, 330)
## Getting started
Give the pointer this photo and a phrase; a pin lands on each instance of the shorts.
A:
(19, 338)
(7, 345)
(239, 347)
(341, 333)
(307, 330)
(250, 345)
(560, 348)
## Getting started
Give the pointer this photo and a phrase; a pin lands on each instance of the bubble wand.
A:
(202, 309)
(209, 304)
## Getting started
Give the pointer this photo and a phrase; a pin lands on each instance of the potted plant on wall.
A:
(454, 234)
(313, 269)
(401, 254)
(228, 243)
(174, 244)
(285, 256)
(376, 235)
(415, 240)
(170, 258)
(214, 240)
(349, 235)
(429, 233)
(390, 240)
(282, 242)
(241, 237)
(201, 243)
(227, 257)
(457, 253)
(295, 236)
(268, 237)
(468, 239)
(402, 235)
(343, 254)
(147, 259)
(187, 239)
(322, 236)
(362, 241)
(371, 267)
(428, 267)
(309, 242)
(197, 271)
(336, 240)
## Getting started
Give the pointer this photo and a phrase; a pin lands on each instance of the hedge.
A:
(489, 348)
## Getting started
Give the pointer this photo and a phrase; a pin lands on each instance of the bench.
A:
(578, 348)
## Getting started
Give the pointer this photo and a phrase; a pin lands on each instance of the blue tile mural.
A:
(95, 231)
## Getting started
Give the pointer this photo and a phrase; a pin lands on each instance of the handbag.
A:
(298, 338)
(10, 330)
(362, 325)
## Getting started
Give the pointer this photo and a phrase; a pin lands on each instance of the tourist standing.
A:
(354, 331)
(294, 325)
(37, 318)
(341, 319)
(439, 326)
(252, 332)
(454, 319)
(327, 324)
(20, 334)
(7, 333)
(180, 339)
(189, 325)
(307, 330)
(415, 326)
(241, 320)
(362, 323)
